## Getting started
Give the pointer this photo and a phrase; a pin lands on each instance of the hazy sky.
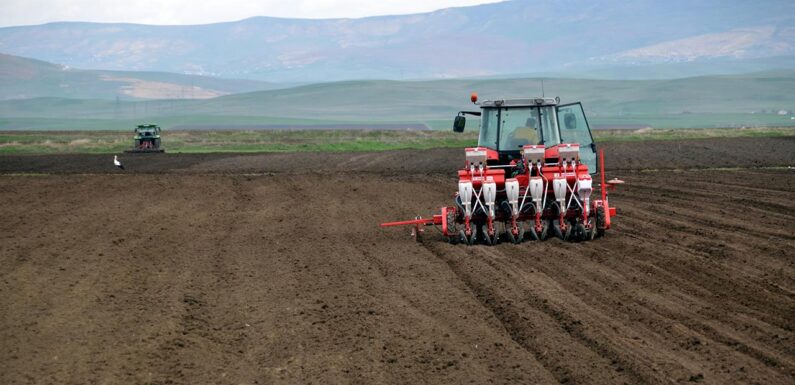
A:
(26, 12)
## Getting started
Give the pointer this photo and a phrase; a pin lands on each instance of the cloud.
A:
(26, 12)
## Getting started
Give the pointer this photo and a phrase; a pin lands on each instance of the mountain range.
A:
(644, 63)
(569, 37)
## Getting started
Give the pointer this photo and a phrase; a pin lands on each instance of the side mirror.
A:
(459, 123)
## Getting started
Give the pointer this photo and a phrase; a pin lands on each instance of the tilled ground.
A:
(263, 269)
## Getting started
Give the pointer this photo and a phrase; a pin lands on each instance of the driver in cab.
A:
(522, 136)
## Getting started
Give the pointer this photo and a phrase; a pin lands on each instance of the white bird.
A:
(117, 163)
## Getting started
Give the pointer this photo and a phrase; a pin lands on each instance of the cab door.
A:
(574, 128)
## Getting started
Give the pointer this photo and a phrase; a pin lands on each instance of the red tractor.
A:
(530, 177)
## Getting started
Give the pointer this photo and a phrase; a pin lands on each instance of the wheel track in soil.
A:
(576, 301)
(731, 275)
(731, 232)
(618, 361)
(203, 315)
(684, 198)
(707, 254)
(655, 314)
(509, 321)
(515, 324)
(390, 272)
(771, 359)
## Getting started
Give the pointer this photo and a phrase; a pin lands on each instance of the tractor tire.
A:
(601, 219)
(452, 229)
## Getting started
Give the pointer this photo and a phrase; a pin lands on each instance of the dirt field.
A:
(260, 269)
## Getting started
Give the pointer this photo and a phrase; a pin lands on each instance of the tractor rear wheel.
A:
(601, 220)
(452, 229)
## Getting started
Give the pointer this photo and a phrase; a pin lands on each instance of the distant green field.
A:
(196, 122)
(50, 142)
(168, 122)
(761, 99)
(232, 141)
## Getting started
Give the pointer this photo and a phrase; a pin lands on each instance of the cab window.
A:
(519, 127)
(574, 129)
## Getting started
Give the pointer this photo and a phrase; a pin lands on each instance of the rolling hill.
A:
(705, 101)
(23, 78)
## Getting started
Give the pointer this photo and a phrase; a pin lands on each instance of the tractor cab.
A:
(506, 126)
(147, 131)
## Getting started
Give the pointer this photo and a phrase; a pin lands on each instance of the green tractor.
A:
(147, 139)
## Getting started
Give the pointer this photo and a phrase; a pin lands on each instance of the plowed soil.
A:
(260, 269)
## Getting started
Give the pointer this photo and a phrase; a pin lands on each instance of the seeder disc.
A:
(462, 236)
(592, 232)
(489, 240)
(579, 233)
(515, 239)
(535, 235)
(556, 229)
